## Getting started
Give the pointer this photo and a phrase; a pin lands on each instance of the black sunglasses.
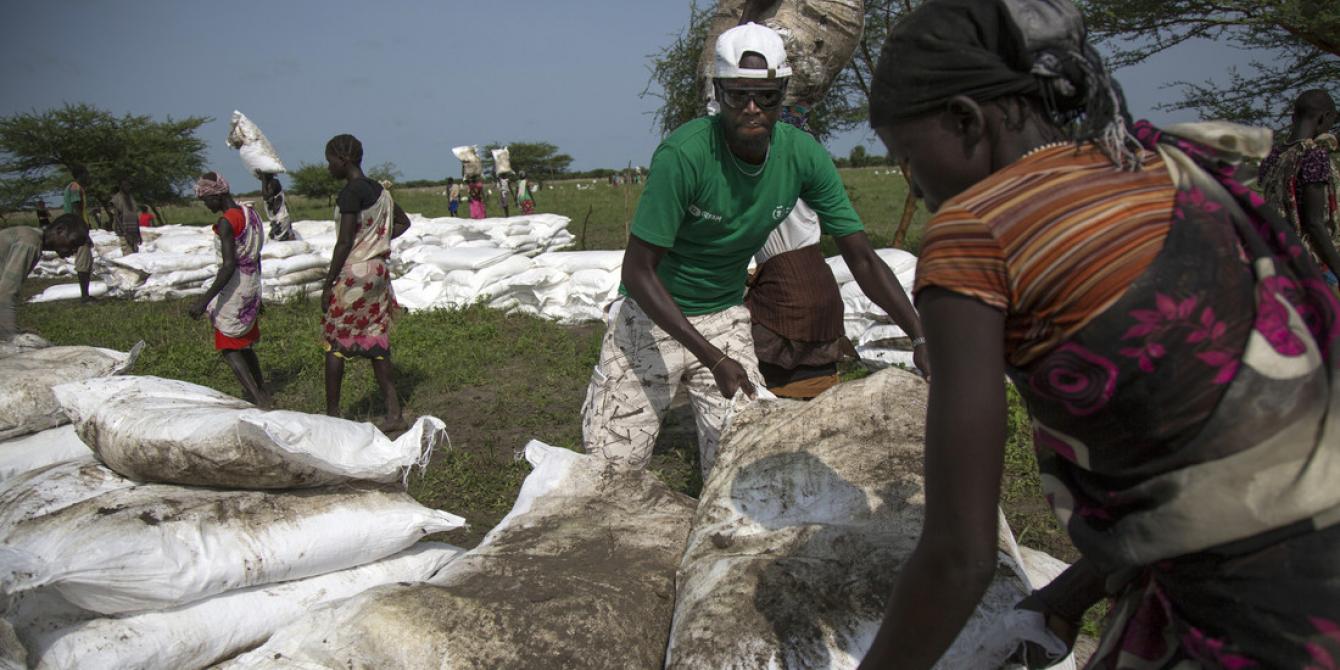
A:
(766, 99)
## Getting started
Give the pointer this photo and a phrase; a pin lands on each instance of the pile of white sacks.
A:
(514, 263)
(166, 525)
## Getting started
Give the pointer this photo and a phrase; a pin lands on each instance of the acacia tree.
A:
(314, 181)
(39, 151)
(1298, 42)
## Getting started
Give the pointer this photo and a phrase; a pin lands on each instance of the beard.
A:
(753, 144)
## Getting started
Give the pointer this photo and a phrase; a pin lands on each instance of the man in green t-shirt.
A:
(74, 201)
(717, 188)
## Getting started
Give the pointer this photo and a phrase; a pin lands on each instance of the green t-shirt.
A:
(713, 218)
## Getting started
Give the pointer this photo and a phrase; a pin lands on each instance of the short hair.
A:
(68, 228)
(144, 208)
(1313, 102)
(346, 146)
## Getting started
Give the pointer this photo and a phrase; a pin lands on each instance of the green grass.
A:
(497, 380)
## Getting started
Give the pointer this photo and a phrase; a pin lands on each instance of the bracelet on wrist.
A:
(714, 365)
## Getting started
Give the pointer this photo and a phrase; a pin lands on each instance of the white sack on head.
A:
(26, 402)
(469, 157)
(164, 430)
(154, 545)
(255, 149)
(38, 450)
(580, 573)
(502, 161)
(207, 631)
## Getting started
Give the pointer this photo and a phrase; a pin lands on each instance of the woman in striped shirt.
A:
(1175, 347)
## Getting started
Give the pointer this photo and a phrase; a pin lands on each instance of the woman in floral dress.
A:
(233, 300)
(358, 302)
(1175, 347)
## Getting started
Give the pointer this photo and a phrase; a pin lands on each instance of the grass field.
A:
(496, 380)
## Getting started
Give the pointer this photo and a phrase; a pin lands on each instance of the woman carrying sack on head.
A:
(1176, 350)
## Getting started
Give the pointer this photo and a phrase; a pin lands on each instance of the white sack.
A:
(21, 343)
(155, 546)
(470, 159)
(502, 161)
(207, 631)
(284, 266)
(163, 430)
(26, 402)
(579, 574)
(284, 249)
(457, 258)
(180, 278)
(54, 487)
(255, 149)
(38, 450)
(151, 262)
(903, 264)
(573, 261)
(801, 530)
(55, 292)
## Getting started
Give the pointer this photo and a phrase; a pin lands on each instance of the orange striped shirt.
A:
(1052, 240)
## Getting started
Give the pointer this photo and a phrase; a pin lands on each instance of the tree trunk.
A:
(909, 209)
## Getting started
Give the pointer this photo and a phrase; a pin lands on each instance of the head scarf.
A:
(205, 187)
(989, 49)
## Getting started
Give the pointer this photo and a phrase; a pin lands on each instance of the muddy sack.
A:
(252, 145)
(580, 574)
(21, 343)
(163, 430)
(26, 402)
(54, 487)
(38, 450)
(211, 630)
(802, 527)
(155, 546)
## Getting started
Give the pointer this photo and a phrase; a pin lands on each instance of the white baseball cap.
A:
(762, 40)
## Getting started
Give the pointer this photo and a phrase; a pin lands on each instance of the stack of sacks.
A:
(33, 427)
(580, 574)
(802, 527)
(195, 525)
(106, 245)
(180, 261)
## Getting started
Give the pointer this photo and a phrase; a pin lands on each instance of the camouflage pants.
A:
(640, 369)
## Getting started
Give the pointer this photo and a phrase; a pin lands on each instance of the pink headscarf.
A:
(204, 187)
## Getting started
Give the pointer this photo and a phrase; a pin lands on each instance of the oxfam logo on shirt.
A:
(701, 213)
(779, 212)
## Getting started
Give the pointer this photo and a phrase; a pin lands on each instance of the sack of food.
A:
(26, 402)
(255, 149)
(204, 632)
(470, 159)
(154, 546)
(54, 487)
(502, 161)
(803, 524)
(164, 430)
(581, 573)
(38, 450)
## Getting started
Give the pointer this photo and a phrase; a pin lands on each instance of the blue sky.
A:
(410, 78)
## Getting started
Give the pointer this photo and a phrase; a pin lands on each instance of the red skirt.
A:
(224, 343)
